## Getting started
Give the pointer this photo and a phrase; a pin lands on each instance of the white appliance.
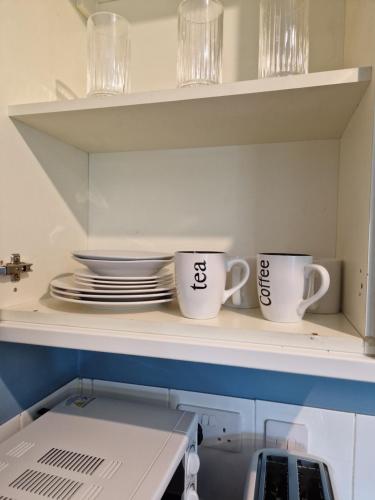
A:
(282, 475)
(105, 449)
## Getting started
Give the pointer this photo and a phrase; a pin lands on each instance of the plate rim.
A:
(111, 261)
(110, 304)
(125, 288)
(101, 277)
(120, 296)
(152, 256)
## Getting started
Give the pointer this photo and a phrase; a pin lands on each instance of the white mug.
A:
(200, 282)
(247, 296)
(283, 281)
(331, 302)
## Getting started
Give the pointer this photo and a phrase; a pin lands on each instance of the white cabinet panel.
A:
(364, 459)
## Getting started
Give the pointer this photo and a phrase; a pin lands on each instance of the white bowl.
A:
(124, 268)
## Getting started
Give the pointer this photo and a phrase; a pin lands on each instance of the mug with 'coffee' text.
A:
(283, 282)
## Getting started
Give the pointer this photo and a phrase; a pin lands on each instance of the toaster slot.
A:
(281, 475)
(276, 480)
(309, 481)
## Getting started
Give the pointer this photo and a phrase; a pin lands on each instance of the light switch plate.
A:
(289, 436)
(330, 437)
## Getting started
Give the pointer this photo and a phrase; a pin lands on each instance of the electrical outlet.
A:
(227, 423)
(217, 464)
(221, 429)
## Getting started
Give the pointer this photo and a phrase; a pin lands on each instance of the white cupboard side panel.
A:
(42, 51)
(276, 197)
(355, 168)
(43, 202)
(364, 458)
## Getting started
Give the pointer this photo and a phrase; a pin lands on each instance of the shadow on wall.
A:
(30, 373)
(64, 92)
(65, 166)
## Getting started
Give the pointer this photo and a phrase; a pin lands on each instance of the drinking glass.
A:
(283, 37)
(107, 54)
(200, 42)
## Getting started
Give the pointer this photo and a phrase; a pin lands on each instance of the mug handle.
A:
(229, 264)
(236, 277)
(310, 291)
(309, 268)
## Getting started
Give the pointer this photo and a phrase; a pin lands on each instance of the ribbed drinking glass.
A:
(283, 37)
(107, 54)
(200, 42)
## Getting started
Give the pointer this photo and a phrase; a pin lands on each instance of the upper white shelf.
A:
(291, 108)
(321, 345)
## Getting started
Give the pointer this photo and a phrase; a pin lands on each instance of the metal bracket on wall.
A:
(15, 267)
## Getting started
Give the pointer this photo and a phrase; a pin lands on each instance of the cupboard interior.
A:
(311, 196)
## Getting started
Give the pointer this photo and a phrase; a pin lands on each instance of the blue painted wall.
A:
(29, 373)
(342, 395)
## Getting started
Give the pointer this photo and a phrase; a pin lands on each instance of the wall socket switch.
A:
(221, 429)
(286, 435)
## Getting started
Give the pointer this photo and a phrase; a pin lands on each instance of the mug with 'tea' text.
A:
(200, 282)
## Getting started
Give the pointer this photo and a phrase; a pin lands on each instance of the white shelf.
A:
(323, 345)
(292, 108)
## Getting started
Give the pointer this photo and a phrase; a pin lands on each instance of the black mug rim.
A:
(276, 254)
(192, 252)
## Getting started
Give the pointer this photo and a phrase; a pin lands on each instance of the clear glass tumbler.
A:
(200, 42)
(283, 37)
(108, 50)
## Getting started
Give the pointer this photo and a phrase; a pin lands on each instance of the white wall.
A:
(278, 197)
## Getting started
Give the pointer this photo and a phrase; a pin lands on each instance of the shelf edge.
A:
(259, 86)
(254, 356)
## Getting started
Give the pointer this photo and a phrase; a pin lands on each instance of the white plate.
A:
(85, 273)
(120, 282)
(111, 298)
(109, 304)
(152, 286)
(122, 255)
(67, 284)
(128, 268)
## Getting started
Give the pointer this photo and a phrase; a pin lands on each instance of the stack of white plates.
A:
(112, 292)
(117, 279)
(123, 263)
